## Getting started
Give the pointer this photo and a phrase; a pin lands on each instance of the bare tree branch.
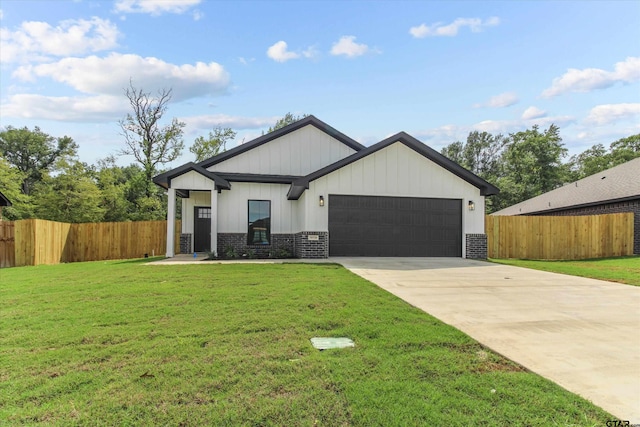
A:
(150, 143)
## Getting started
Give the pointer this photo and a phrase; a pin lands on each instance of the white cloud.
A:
(348, 47)
(235, 122)
(109, 75)
(101, 108)
(245, 61)
(589, 79)
(533, 113)
(311, 52)
(36, 40)
(442, 136)
(499, 101)
(279, 53)
(154, 7)
(439, 29)
(610, 113)
(197, 15)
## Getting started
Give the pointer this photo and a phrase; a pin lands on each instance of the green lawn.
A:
(123, 343)
(622, 269)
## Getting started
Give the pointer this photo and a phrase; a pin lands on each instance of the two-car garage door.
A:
(394, 226)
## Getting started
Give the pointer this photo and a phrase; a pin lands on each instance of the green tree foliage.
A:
(124, 193)
(204, 148)
(597, 158)
(70, 196)
(113, 182)
(523, 164)
(481, 153)
(150, 143)
(286, 120)
(33, 152)
(10, 185)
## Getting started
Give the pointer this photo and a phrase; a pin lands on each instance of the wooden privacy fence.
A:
(7, 244)
(37, 241)
(559, 237)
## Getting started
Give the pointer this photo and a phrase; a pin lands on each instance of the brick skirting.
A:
(238, 242)
(185, 243)
(476, 246)
(307, 246)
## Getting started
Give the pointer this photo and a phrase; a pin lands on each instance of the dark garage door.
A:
(394, 226)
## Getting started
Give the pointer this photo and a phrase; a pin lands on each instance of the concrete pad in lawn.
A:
(583, 334)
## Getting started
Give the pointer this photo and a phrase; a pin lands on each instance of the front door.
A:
(202, 229)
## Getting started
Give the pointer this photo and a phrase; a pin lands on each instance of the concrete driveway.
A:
(583, 334)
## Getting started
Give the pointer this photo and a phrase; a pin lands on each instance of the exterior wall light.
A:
(321, 201)
(471, 205)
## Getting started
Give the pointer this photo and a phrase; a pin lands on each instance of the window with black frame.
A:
(259, 232)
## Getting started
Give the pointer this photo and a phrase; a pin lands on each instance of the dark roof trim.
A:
(580, 206)
(309, 120)
(486, 189)
(260, 178)
(4, 201)
(164, 179)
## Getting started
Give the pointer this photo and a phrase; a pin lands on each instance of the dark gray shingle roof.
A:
(4, 201)
(621, 182)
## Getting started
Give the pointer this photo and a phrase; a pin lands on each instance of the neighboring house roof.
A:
(309, 120)
(4, 201)
(486, 189)
(164, 179)
(617, 184)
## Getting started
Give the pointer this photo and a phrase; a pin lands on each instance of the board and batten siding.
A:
(233, 208)
(196, 198)
(192, 180)
(297, 153)
(395, 171)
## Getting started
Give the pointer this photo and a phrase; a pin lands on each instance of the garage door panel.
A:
(394, 226)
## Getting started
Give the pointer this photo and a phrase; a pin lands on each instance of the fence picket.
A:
(559, 237)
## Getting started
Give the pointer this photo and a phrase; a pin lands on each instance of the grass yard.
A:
(621, 269)
(122, 343)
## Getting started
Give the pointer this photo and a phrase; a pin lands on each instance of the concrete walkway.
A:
(583, 334)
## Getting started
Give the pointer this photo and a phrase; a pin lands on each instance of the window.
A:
(204, 213)
(259, 232)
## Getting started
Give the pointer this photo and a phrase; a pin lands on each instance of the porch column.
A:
(214, 220)
(171, 222)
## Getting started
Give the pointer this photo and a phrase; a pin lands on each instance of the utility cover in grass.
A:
(326, 343)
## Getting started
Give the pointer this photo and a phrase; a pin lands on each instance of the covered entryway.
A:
(394, 226)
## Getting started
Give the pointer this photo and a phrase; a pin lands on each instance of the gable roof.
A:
(309, 120)
(616, 184)
(4, 201)
(164, 179)
(486, 189)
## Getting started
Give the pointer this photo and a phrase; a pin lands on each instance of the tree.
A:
(597, 158)
(455, 152)
(10, 185)
(590, 161)
(625, 149)
(481, 154)
(70, 196)
(214, 144)
(286, 120)
(113, 182)
(146, 140)
(33, 152)
(531, 165)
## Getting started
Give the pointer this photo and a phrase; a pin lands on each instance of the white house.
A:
(315, 192)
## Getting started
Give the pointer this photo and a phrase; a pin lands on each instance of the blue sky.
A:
(436, 70)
